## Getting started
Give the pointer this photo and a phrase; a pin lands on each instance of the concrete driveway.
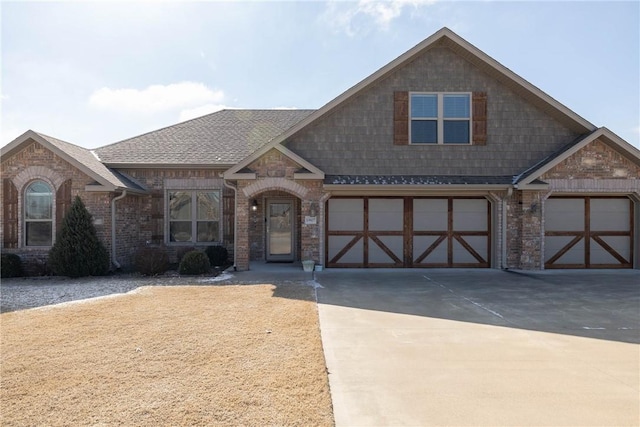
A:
(482, 347)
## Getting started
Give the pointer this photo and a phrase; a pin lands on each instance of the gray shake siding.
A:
(357, 137)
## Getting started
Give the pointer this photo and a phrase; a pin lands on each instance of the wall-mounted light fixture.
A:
(254, 205)
(312, 209)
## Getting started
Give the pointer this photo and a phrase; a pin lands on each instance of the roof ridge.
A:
(201, 117)
(49, 137)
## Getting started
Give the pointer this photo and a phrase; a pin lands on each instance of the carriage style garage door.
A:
(408, 232)
(588, 232)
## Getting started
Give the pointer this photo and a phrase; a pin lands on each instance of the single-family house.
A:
(442, 158)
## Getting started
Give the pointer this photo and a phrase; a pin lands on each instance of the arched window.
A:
(38, 214)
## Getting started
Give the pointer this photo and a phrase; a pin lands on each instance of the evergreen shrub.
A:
(151, 261)
(193, 263)
(218, 255)
(77, 251)
(11, 266)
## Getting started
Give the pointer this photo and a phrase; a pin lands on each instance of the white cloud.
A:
(155, 98)
(355, 18)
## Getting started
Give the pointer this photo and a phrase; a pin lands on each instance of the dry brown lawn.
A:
(168, 356)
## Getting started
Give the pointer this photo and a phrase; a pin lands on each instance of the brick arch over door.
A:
(275, 184)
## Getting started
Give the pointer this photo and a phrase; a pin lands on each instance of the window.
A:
(194, 216)
(38, 214)
(440, 118)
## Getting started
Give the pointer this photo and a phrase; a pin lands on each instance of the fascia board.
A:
(397, 190)
(303, 176)
(601, 132)
(121, 165)
(444, 32)
(247, 161)
(111, 188)
(536, 187)
(232, 173)
(15, 144)
(341, 98)
(302, 162)
(240, 176)
(506, 72)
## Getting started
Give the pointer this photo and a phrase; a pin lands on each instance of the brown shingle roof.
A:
(222, 138)
(92, 166)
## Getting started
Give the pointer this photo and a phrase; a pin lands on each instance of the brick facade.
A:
(352, 135)
(275, 180)
(595, 161)
(35, 162)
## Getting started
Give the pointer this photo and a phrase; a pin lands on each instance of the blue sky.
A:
(93, 73)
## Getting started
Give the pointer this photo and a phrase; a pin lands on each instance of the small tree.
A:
(78, 252)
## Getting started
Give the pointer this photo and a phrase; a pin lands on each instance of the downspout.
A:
(235, 221)
(114, 261)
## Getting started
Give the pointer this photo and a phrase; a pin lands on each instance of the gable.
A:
(274, 164)
(33, 160)
(357, 137)
(596, 160)
(83, 160)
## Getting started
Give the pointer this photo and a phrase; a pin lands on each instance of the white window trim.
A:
(440, 119)
(194, 217)
(22, 229)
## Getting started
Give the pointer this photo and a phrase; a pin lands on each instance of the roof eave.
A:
(93, 188)
(30, 134)
(121, 165)
(413, 189)
(603, 132)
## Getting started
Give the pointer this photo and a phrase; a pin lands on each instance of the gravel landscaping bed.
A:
(30, 292)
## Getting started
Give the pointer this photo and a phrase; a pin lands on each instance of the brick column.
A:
(531, 256)
(242, 236)
(310, 234)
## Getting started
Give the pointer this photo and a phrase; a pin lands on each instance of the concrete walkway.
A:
(472, 348)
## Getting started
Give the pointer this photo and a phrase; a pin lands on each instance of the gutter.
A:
(235, 221)
(114, 261)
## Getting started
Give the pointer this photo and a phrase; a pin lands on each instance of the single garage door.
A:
(408, 232)
(588, 232)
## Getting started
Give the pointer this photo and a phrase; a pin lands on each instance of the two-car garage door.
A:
(408, 232)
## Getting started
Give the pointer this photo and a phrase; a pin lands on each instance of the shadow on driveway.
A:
(594, 304)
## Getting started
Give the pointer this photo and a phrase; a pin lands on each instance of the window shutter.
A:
(479, 118)
(63, 203)
(157, 217)
(10, 202)
(401, 118)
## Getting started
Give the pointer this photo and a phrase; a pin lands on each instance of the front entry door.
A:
(280, 221)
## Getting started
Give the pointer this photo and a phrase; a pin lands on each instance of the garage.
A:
(588, 232)
(381, 232)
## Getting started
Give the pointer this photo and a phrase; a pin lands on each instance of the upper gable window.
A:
(38, 214)
(440, 118)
